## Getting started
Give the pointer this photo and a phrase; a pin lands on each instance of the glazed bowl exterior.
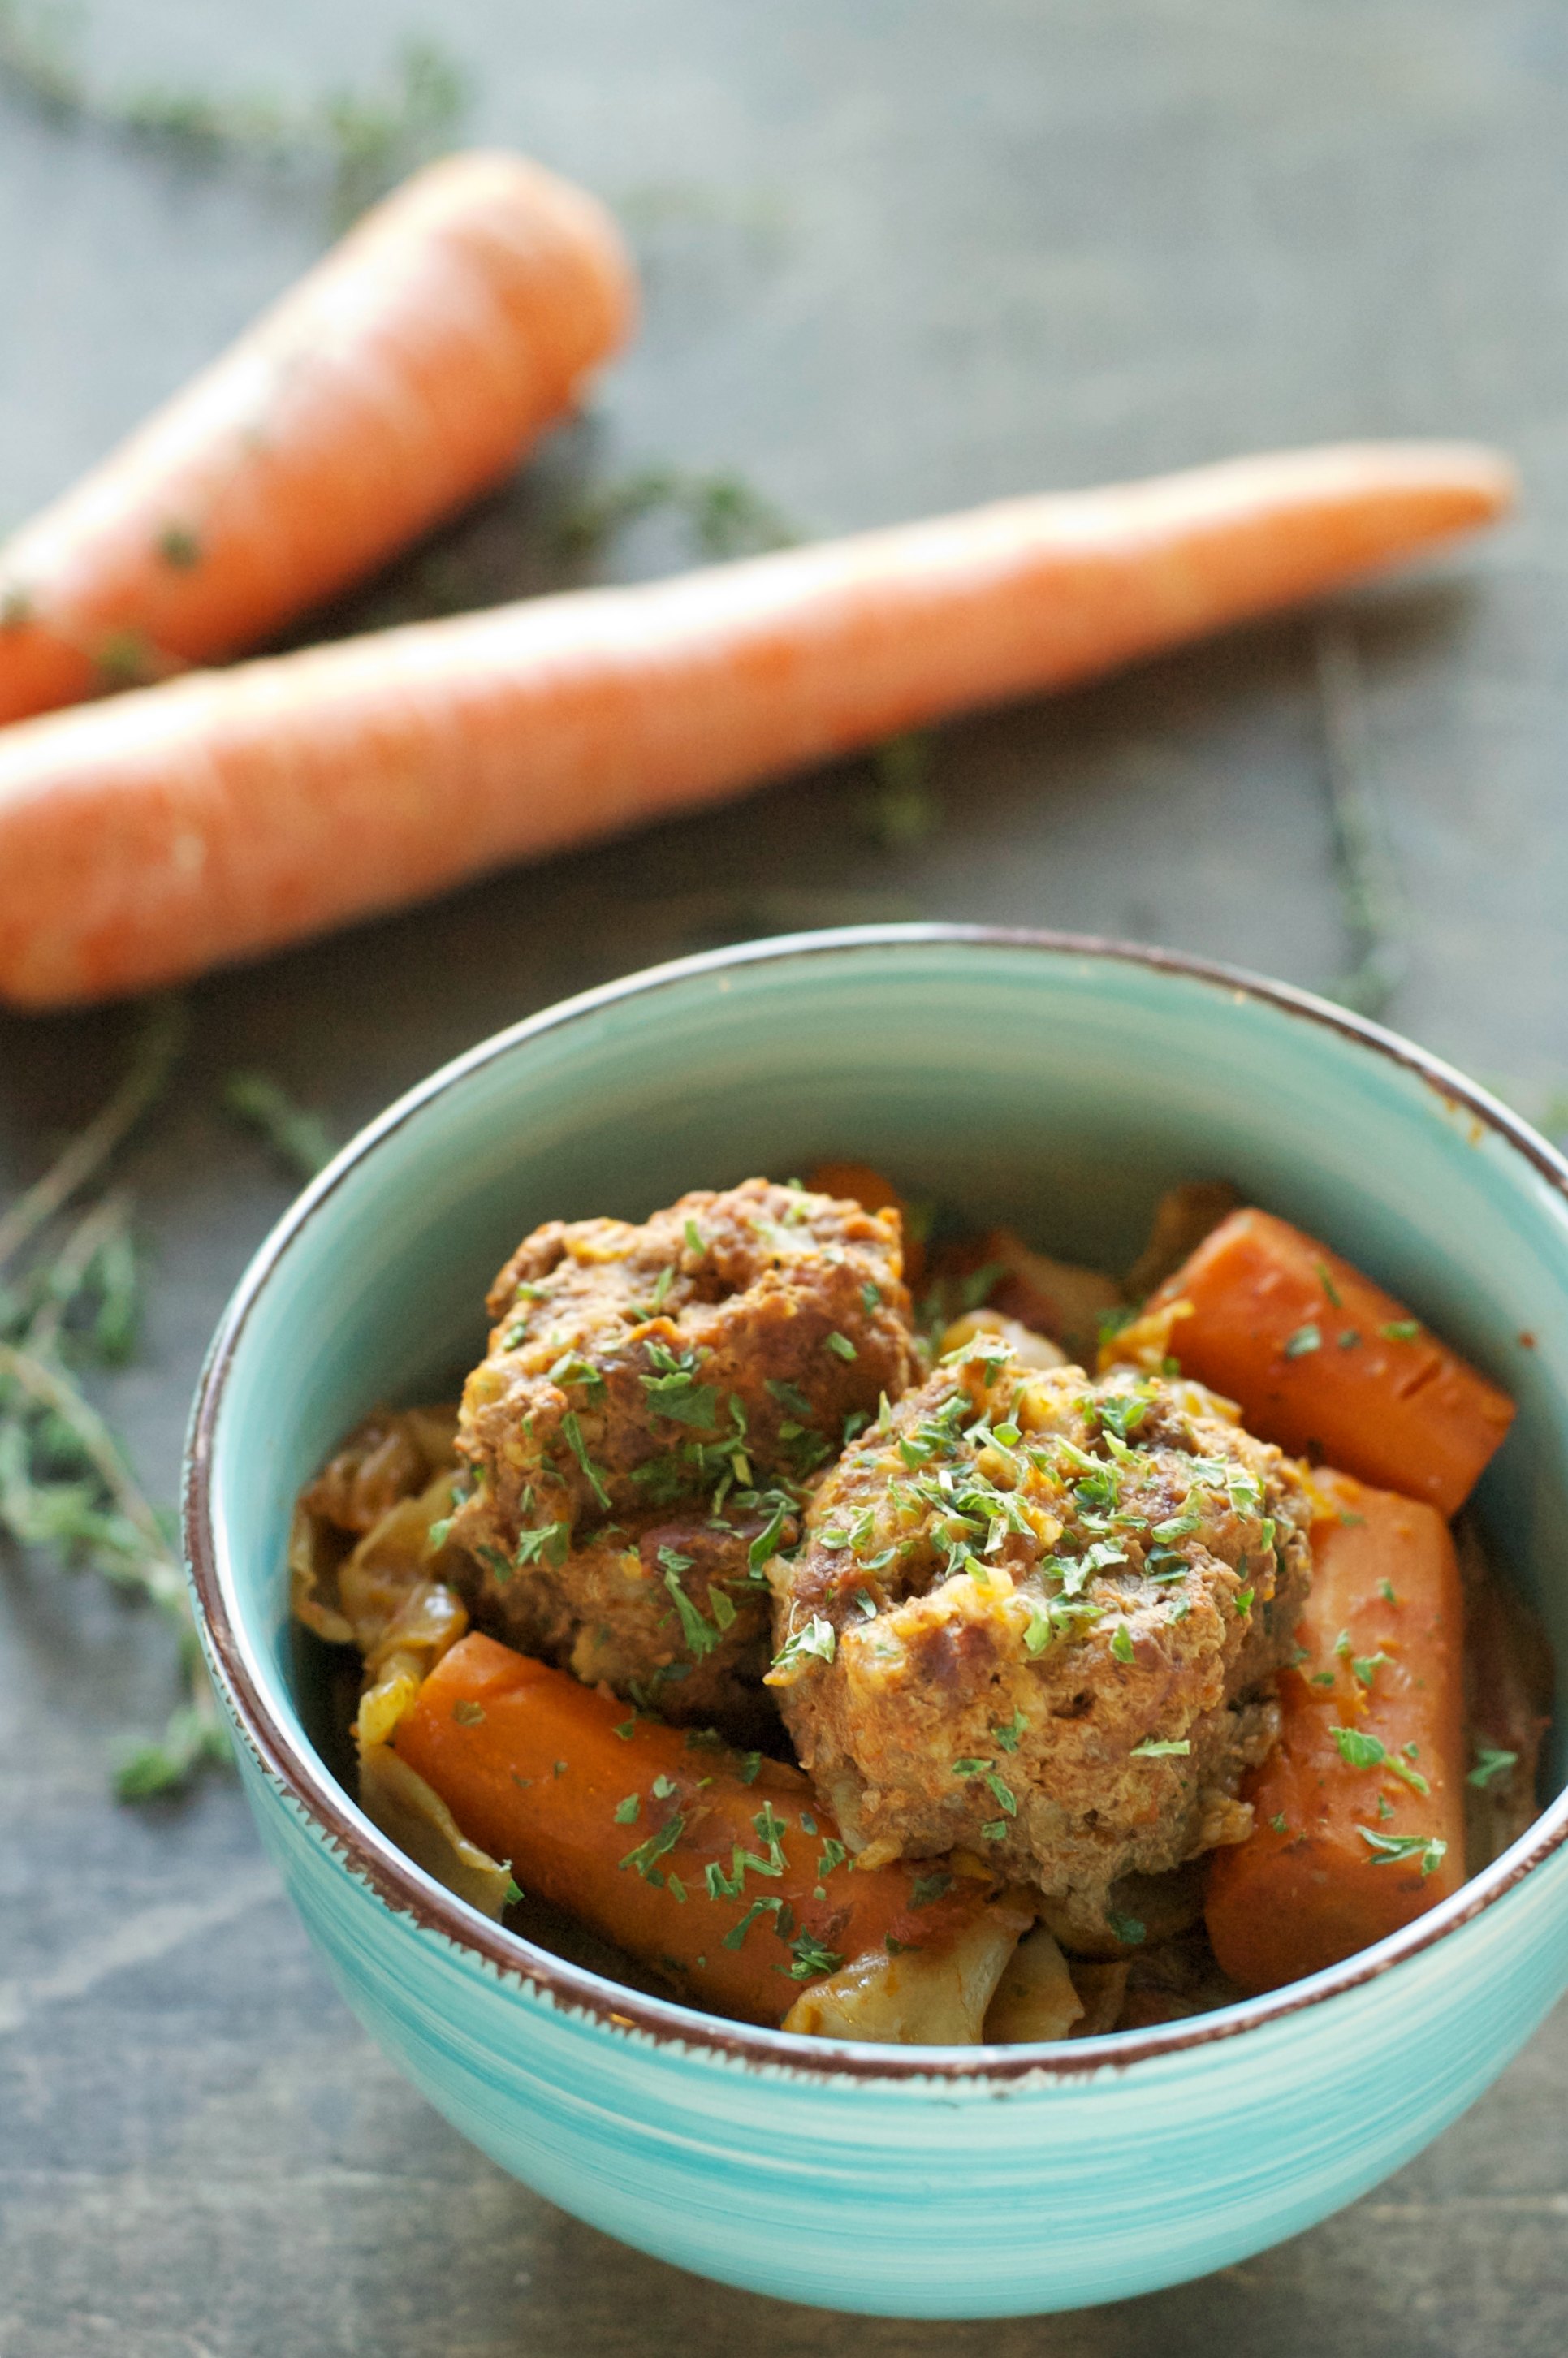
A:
(1060, 1085)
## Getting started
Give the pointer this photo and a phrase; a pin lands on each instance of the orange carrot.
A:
(211, 819)
(400, 378)
(1327, 1364)
(695, 1858)
(1360, 1807)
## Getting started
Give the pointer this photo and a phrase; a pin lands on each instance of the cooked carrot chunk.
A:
(1360, 1810)
(1328, 1365)
(717, 1867)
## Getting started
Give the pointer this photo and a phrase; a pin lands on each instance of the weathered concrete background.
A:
(897, 257)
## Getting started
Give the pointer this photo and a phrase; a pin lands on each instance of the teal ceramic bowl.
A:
(1059, 1084)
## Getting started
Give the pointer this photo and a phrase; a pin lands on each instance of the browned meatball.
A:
(653, 1400)
(1035, 1616)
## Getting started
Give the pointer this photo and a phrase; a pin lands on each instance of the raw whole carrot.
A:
(704, 1862)
(1328, 1365)
(1359, 1821)
(401, 377)
(210, 818)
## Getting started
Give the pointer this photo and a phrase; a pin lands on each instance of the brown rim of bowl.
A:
(409, 1892)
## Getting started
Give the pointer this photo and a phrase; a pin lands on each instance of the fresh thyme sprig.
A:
(725, 516)
(297, 1137)
(66, 1486)
(1368, 901)
(361, 141)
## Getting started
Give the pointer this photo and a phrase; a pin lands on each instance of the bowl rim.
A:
(408, 1892)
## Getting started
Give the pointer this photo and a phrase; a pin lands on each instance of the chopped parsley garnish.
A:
(643, 1858)
(513, 1891)
(1244, 1600)
(994, 1830)
(1430, 1849)
(1350, 1338)
(467, 1713)
(1161, 1748)
(1328, 1283)
(1120, 1412)
(842, 1346)
(662, 1786)
(1386, 1591)
(694, 1238)
(1489, 1762)
(926, 1888)
(833, 1855)
(1305, 1338)
(1401, 1330)
(1364, 1666)
(812, 1958)
(700, 1638)
(571, 1432)
(1122, 1644)
(970, 1767)
(571, 1368)
(789, 1396)
(737, 1934)
(1278, 1823)
(1127, 1928)
(675, 1393)
(764, 1546)
(1008, 1737)
(1358, 1749)
(628, 1811)
(817, 1642)
(870, 1296)
(1003, 1793)
(545, 1542)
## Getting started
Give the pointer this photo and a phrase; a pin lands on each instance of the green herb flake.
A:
(1430, 1849)
(928, 1888)
(1122, 1644)
(628, 1810)
(1279, 1824)
(694, 1238)
(1359, 1750)
(1325, 1279)
(1127, 1928)
(1305, 1338)
(1490, 1763)
(467, 1713)
(1244, 1597)
(1386, 1591)
(1350, 1338)
(1402, 1330)
(817, 1641)
(812, 1958)
(1153, 1748)
(571, 1432)
(870, 1296)
(657, 1847)
(1007, 1735)
(736, 1936)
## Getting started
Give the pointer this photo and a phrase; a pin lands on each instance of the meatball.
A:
(652, 1401)
(1035, 1616)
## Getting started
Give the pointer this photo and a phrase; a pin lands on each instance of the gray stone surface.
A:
(897, 256)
